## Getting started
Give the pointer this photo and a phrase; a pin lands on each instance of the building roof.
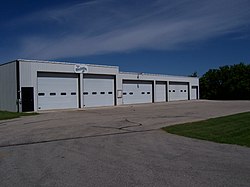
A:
(70, 63)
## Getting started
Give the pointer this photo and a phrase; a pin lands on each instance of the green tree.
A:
(226, 83)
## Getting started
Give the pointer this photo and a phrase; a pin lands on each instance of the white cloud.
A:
(99, 27)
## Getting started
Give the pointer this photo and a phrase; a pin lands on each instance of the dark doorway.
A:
(27, 99)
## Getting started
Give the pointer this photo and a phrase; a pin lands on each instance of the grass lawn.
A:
(11, 115)
(234, 129)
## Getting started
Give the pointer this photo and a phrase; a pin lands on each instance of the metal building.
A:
(31, 85)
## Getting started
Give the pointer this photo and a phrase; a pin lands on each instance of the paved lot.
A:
(120, 146)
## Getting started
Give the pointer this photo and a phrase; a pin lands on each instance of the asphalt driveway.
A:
(120, 146)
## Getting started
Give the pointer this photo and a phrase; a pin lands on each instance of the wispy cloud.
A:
(107, 26)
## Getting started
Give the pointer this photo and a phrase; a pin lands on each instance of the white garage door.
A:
(160, 92)
(137, 92)
(98, 90)
(194, 92)
(178, 91)
(57, 91)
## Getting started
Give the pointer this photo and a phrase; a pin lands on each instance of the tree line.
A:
(226, 83)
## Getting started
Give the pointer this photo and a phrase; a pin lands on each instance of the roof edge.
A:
(69, 63)
(158, 75)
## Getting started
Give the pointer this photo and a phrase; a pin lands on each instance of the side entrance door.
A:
(27, 99)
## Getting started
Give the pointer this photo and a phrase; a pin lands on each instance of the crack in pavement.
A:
(107, 127)
(137, 124)
(123, 127)
(27, 123)
(74, 138)
(5, 122)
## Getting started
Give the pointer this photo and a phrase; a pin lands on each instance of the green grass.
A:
(10, 115)
(234, 129)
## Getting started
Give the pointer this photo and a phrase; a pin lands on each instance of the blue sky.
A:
(155, 36)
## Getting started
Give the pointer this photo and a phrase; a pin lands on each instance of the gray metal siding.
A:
(8, 87)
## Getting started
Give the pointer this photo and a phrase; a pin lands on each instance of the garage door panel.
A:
(178, 91)
(160, 92)
(57, 102)
(57, 92)
(137, 92)
(194, 92)
(98, 91)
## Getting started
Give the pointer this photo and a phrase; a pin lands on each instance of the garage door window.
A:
(63, 93)
(52, 94)
(41, 94)
(73, 93)
(94, 93)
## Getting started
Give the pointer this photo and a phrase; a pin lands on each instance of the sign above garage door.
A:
(80, 68)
